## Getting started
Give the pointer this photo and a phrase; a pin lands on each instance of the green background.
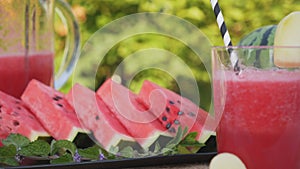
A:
(241, 16)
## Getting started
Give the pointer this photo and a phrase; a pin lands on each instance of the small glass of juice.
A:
(258, 107)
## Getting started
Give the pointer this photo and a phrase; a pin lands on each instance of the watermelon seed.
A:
(15, 113)
(8, 128)
(60, 105)
(57, 98)
(180, 113)
(178, 101)
(16, 123)
(191, 114)
(97, 117)
(176, 122)
(17, 102)
(172, 130)
(171, 102)
(168, 109)
(164, 118)
(31, 117)
(168, 125)
(18, 107)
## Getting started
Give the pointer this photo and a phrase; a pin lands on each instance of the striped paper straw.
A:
(225, 34)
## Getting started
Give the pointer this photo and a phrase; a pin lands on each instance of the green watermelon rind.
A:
(263, 36)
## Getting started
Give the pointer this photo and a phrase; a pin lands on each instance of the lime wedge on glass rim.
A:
(288, 34)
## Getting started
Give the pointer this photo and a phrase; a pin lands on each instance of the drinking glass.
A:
(258, 107)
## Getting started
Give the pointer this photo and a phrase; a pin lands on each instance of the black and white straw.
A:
(225, 34)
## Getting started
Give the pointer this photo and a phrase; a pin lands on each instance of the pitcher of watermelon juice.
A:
(27, 43)
(259, 107)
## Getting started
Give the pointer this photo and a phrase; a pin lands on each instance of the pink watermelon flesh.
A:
(174, 111)
(52, 110)
(141, 124)
(96, 117)
(16, 118)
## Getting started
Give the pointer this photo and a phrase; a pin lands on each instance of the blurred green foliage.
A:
(241, 16)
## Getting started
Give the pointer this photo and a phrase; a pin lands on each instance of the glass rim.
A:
(254, 47)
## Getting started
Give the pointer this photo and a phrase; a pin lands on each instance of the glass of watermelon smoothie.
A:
(258, 107)
(27, 44)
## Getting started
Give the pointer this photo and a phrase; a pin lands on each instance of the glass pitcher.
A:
(27, 44)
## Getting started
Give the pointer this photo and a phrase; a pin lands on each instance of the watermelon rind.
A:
(106, 130)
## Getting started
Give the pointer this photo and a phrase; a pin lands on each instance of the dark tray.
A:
(126, 163)
(203, 156)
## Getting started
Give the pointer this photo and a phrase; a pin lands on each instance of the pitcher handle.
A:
(72, 48)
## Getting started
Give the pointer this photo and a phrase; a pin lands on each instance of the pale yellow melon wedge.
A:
(226, 161)
(288, 34)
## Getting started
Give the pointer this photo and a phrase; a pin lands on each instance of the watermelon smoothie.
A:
(16, 71)
(260, 120)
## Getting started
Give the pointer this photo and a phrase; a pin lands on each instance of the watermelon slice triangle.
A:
(107, 130)
(139, 122)
(16, 118)
(174, 110)
(52, 110)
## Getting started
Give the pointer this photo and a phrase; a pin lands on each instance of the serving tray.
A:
(126, 163)
(203, 156)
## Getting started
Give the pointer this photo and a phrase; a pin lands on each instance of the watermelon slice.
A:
(96, 117)
(16, 118)
(52, 110)
(140, 123)
(174, 111)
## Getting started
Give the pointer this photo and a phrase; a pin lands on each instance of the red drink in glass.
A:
(260, 121)
(258, 108)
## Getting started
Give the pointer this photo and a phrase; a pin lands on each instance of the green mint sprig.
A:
(17, 147)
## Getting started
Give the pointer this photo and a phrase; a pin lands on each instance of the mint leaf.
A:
(11, 161)
(66, 158)
(62, 147)
(8, 151)
(190, 140)
(36, 148)
(90, 152)
(17, 140)
(179, 136)
(7, 155)
(189, 144)
(191, 136)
